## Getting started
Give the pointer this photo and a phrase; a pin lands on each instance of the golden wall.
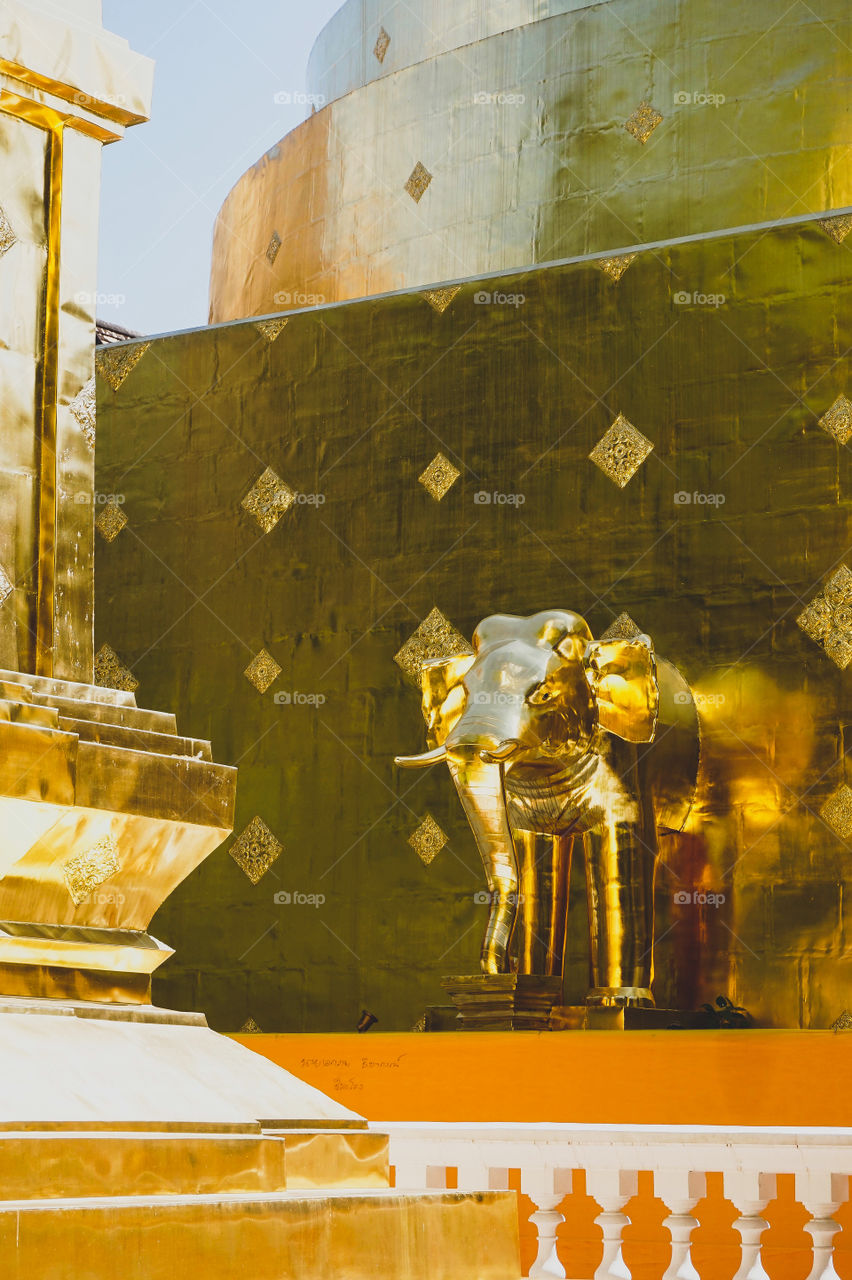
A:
(516, 149)
(729, 355)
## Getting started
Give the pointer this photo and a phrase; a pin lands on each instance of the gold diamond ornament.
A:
(255, 850)
(624, 628)
(382, 45)
(268, 499)
(837, 227)
(83, 407)
(262, 671)
(827, 619)
(427, 840)
(111, 673)
(418, 182)
(616, 267)
(837, 420)
(440, 299)
(270, 329)
(642, 123)
(837, 811)
(621, 451)
(91, 869)
(273, 248)
(439, 477)
(7, 235)
(843, 1023)
(436, 637)
(115, 363)
(110, 521)
(249, 1028)
(7, 586)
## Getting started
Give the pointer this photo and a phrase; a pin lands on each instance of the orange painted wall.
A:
(798, 1078)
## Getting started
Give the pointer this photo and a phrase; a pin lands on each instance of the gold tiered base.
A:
(136, 1142)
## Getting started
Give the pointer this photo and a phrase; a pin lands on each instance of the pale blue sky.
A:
(219, 67)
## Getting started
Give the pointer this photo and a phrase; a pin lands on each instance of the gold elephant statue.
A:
(549, 735)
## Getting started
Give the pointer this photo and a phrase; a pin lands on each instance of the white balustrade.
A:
(547, 1155)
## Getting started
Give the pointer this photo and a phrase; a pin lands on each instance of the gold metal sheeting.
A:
(116, 363)
(111, 672)
(348, 1159)
(643, 121)
(84, 409)
(616, 267)
(837, 420)
(262, 671)
(436, 637)
(270, 329)
(91, 869)
(837, 227)
(287, 1235)
(837, 811)
(255, 849)
(330, 184)
(621, 451)
(7, 234)
(381, 46)
(273, 248)
(418, 182)
(624, 628)
(110, 520)
(827, 619)
(439, 477)
(440, 299)
(268, 500)
(427, 840)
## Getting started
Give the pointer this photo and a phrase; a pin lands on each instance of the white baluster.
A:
(822, 1194)
(750, 1193)
(546, 1188)
(612, 1188)
(680, 1191)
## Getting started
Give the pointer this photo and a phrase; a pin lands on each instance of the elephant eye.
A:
(540, 694)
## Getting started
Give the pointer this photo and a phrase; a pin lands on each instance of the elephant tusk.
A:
(506, 749)
(421, 761)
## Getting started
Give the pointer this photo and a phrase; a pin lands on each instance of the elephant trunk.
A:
(480, 787)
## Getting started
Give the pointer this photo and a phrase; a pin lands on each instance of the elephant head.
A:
(533, 696)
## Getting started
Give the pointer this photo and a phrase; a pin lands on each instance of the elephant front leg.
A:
(545, 870)
(620, 872)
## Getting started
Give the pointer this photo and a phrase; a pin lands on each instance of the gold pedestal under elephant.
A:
(550, 735)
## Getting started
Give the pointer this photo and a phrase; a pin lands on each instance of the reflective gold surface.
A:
(549, 130)
(749, 902)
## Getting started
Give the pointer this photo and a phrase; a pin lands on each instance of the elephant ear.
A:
(444, 694)
(623, 677)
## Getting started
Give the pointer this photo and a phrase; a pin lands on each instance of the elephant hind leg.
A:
(620, 873)
(545, 869)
